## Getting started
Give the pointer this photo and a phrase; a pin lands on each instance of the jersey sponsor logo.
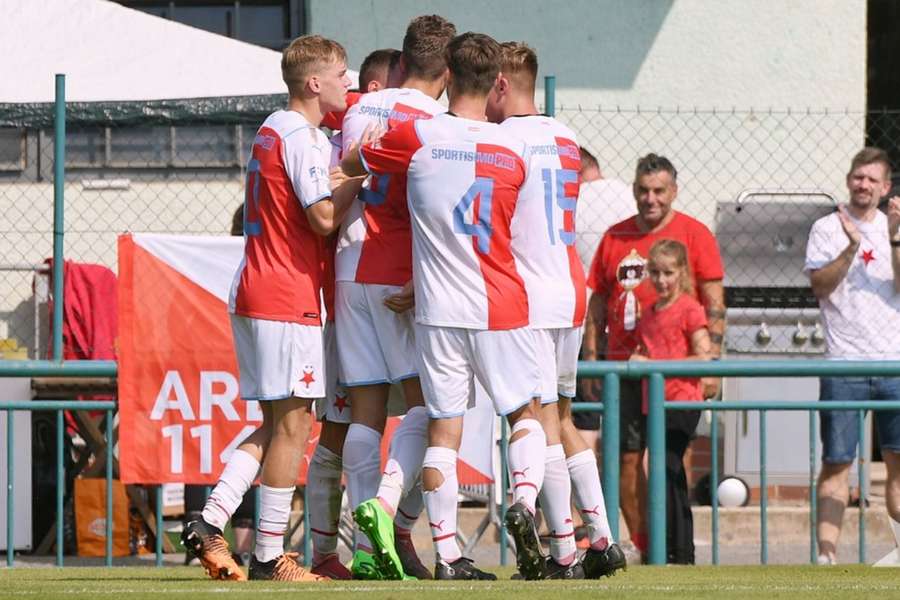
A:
(390, 114)
(266, 142)
(496, 159)
(565, 151)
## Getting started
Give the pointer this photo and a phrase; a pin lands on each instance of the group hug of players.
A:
(442, 245)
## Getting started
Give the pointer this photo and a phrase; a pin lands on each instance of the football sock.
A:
(235, 480)
(410, 508)
(274, 512)
(442, 503)
(324, 493)
(362, 457)
(405, 460)
(588, 496)
(556, 495)
(526, 461)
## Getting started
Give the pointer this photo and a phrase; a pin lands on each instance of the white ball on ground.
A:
(733, 492)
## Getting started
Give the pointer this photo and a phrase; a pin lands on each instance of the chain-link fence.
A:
(188, 178)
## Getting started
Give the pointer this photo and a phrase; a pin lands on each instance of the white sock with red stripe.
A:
(235, 480)
(362, 457)
(405, 461)
(410, 508)
(588, 496)
(324, 494)
(556, 494)
(526, 461)
(274, 512)
(442, 503)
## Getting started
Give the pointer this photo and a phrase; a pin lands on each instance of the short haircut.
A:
(653, 163)
(518, 61)
(425, 45)
(376, 63)
(474, 61)
(678, 251)
(587, 159)
(306, 54)
(871, 155)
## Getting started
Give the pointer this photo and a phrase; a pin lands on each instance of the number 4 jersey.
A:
(463, 181)
(543, 229)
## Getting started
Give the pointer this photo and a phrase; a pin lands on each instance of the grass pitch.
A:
(794, 582)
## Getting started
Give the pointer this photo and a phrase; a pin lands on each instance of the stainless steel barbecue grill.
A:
(771, 314)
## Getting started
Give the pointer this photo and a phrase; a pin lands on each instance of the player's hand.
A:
(711, 386)
(403, 300)
(337, 177)
(848, 225)
(893, 215)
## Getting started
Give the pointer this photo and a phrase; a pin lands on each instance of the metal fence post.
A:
(159, 525)
(714, 483)
(550, 95)
(10, 497)
(813, 489)
(59, 182)
(763, 492)
(109, 487)
(656, 445)
(307, 532)
(60, 486)
(861, 471)
(611, 450)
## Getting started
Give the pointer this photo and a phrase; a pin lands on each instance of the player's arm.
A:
(594, 345)
(893, 215)
(326, 215)
(701, 346)
(712, 296)
(825, 279)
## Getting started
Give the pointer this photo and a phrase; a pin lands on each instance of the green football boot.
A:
(378, 526)
(364, 567)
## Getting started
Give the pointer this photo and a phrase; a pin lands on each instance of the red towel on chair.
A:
(90, 316)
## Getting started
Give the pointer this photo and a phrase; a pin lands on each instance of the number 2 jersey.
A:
(375, 244)
(279, 278)
(543, 229)
(463, 181)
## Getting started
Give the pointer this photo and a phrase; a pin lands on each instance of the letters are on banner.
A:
(180, 414)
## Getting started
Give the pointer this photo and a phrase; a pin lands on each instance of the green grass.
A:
(794, 582)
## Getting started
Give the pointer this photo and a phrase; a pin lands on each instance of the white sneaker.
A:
(826, 560)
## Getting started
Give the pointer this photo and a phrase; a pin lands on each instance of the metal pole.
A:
(861, 470)
(10, 497)
(714, 484)
(159, 525)
(763, 492)
(109, 487)
(611, 450)
(59, 181)
(550, 95)
(656, 445)
(504, 485)
(813, 493)
(60, 486)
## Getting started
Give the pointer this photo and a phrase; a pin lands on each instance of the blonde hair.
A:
(304, 56)
(677, 251)
(519, 61)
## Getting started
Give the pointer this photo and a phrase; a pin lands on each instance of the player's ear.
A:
(313, 84)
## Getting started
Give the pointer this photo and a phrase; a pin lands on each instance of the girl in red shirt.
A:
(675, 329)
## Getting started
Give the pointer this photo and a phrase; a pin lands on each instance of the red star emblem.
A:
(867, 256)
(340, 403)
(307, 378)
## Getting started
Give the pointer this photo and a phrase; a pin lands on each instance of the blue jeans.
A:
(840, 433)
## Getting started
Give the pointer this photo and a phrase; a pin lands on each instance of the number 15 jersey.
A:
(463, 181)
(543, 229)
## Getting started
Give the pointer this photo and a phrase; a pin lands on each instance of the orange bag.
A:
(90, 518)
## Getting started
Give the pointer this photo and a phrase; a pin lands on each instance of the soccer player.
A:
(463, 179)
(275, 308)
(326, 467)
(375, 337)
(543, 242)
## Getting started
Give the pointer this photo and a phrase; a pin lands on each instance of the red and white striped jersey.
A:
(279, 278)
(463, 181)
(543, 230)
(375, 245)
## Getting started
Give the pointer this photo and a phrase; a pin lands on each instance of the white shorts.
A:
(375, 344)
(504, 362)
(557, 351)
(278, 359)
(335, 406)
